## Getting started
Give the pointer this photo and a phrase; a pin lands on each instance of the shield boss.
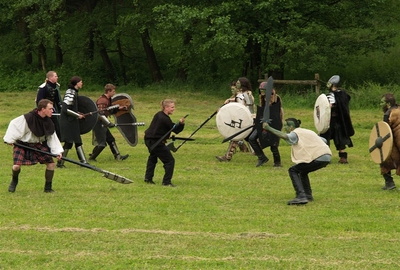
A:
(232, 118)
(380, 142)
(322, 114)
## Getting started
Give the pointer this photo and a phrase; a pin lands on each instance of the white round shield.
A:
(232, 118)
(322, 114)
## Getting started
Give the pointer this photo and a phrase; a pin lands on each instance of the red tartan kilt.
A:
(24, 156)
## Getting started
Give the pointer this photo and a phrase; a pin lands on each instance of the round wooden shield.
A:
(322, 114)
(380, 142)
(232, 118)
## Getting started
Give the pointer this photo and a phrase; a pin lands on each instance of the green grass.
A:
(220, 216)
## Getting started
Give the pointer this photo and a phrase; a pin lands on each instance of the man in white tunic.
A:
(310, 152)
(35, 130)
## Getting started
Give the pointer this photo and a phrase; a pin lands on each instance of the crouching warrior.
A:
(101, 133)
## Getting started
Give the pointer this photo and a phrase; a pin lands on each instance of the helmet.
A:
(262, 85)
(333, 81)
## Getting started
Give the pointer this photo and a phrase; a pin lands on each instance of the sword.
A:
(106, 174)
(268, 92)
(102, 110)
(237, 133)
(197, 129)
(128, 124)
(164, 136)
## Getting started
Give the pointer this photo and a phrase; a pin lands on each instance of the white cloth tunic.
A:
(18, 130)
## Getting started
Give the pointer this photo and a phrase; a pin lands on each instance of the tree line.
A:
(142, 42)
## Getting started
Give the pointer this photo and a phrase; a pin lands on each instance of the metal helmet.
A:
(333, 81)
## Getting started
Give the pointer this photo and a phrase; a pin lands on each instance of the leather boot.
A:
(307, 188)
(389, 183)
(261, 160)
(343, 157)
(81, 154)
(60, 163)
(115, 151)
(49, 181)
(14, 181)
(229, 153)
(96, 151)
(301, 197)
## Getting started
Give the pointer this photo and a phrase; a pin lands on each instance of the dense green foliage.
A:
(142, 42)
(220, 216)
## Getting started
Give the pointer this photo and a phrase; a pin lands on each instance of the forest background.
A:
(199, 45)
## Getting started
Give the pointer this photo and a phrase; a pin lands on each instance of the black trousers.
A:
(163, 153)
(299, 172)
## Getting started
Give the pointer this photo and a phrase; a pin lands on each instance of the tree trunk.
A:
(104, 55)
(42, 57)
(58, 50)
(151, 57)
(119, 46)
(182, 74)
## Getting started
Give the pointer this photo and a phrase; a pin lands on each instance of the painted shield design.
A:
(129, 132)
(380, 142)
(232, 118)
(322, 114)
(86, 105)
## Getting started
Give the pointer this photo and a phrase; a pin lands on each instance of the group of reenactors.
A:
(37, 135)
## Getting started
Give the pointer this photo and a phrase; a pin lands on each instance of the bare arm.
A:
(276, 132)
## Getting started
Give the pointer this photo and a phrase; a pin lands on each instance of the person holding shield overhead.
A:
(160, 127)
(341, 128)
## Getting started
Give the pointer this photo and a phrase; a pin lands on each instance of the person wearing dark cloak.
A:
(341, 128)
(391, 116)
(50, 90)
(267, 138)
(69, 121)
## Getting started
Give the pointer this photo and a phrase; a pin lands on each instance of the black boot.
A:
(116, 153)
(81, 154)
(261, 160)
(301, 197)
(277, 156)
(14, 181)
(389, 183)
(307, 188)
(49, 181)
(343, 157)
(258, 152)
(96, 151)
(60, 163)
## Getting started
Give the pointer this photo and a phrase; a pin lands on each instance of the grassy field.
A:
(220, 216)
